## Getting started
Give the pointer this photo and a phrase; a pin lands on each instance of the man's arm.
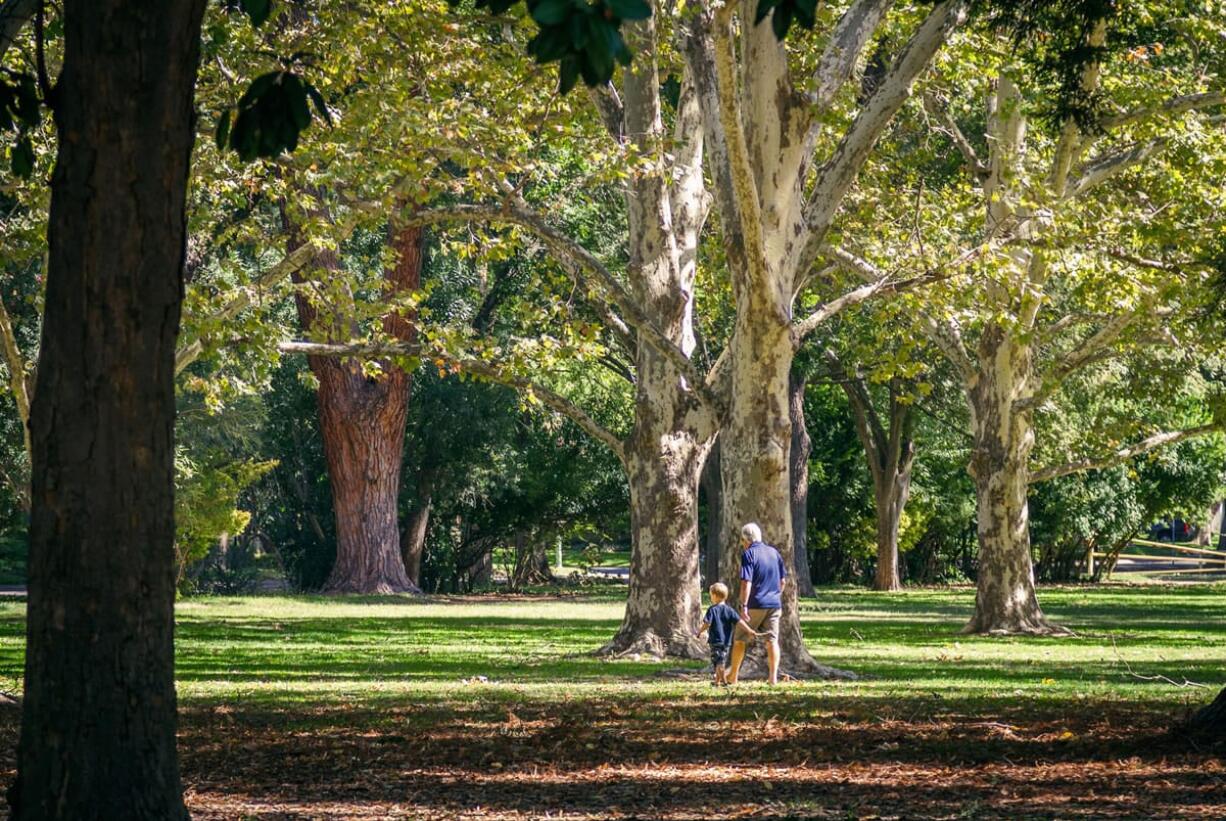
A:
(746, 586)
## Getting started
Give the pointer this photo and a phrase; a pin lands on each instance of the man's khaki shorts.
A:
(764, 621)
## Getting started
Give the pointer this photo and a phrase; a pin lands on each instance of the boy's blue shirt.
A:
(722, 619)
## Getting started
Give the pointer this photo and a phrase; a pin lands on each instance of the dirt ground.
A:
(590, 760)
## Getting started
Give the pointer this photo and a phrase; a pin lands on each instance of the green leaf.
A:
(629, 9)
(223, 129)
(295, 95)
(23, 157)
(551, 12)
(257, 10)
(568, 73)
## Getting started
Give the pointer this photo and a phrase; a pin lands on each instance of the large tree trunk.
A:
(891, 497)
(98, 718)
(754, 460)
(361, 421)
(665, 451)
(1005, 600)
(798, 472)
(1210, 721)
(663, 608)
(712, 489)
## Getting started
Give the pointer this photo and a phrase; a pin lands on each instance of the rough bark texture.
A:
(1210, 720)
(1005, 600)
(362, 420)
(799, 477)
(98, 720)
(667, 447)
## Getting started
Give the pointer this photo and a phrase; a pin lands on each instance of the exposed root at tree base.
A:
(651, 644)
(383, 588)
(1027, 627)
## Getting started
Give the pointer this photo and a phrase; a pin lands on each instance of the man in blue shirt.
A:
(762, 576)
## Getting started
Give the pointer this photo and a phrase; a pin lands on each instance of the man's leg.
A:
(772, 660)
(738, 656)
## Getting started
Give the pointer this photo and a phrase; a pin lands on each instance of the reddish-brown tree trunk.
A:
(361, 420)
(98, 718)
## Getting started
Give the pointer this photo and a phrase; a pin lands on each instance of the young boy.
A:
(721, 620)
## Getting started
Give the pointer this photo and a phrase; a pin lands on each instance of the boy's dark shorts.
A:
(719, 655)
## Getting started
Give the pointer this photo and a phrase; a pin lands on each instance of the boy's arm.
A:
(745, 623)
(702, 629)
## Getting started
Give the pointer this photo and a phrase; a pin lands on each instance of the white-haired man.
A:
(763, 573)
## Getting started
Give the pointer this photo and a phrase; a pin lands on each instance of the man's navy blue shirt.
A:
(722, 619)
(762, 566)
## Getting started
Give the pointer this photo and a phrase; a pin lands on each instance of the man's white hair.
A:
(751, 532)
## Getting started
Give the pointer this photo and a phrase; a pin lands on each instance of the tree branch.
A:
(847, 42)
(1123, 454)
(516, 212)
(836, 176)
(937, 109)
(17, 375)
(14, 15)
(747, 208)
(609, 106)
(1102, 168)
(1173, 106)
(485, 370)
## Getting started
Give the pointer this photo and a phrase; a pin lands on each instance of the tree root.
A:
(650, 644)
(1209, 721)
(1019, 627)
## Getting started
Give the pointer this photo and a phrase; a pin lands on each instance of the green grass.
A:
(282, 650)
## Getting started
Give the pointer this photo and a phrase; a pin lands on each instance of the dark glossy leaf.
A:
(296, 97)
(318, 100)
(764, 9)
(223, 129)
(259, 86)
(257, 10)
(629, 9)
(782, 20)
(568, 73)
(551, 12)
(549, 44)
(23, 157)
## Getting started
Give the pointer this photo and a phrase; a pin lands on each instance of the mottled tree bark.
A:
(98, 717)
(712, 489)
(362, 420)
(665, 451)
(1005, 600)
(799, 477)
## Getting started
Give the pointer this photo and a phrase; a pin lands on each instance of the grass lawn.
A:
(311, 707)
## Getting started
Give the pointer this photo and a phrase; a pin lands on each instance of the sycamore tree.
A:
(1086, 221)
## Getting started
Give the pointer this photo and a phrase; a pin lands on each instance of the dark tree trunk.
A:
(799, 475)
(890, 453)
(362, 420)
(712, 489)
(413, 542)
(98, 719)
(1210, 720)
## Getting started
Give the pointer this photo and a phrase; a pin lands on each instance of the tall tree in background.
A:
(362, 415)
(101, 583)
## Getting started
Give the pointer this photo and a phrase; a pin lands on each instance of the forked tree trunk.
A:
(798, 473)
(1005, 600)
(361, 421)
(664, 453)
(754, 460)
(98, 717)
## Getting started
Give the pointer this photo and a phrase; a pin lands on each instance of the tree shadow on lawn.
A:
(691, 757)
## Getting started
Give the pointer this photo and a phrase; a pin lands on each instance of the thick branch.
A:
(837, 175)
(1103, 168)
(485, 370)
(609, 107)
(1173, 106)
(847, 42)
(828, 309)
(14, 15)
(516, 213)
(747, 208)
(1123, 454)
